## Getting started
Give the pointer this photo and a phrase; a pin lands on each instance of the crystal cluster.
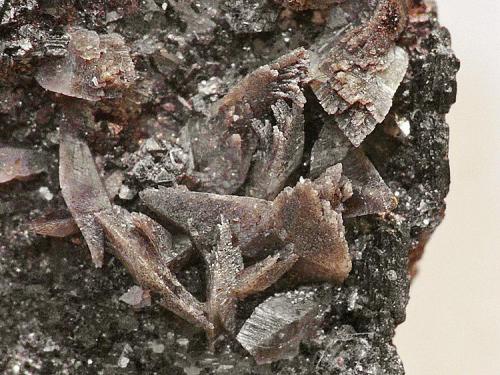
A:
(249, 163)
(252, 141)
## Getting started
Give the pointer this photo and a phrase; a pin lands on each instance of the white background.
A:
(453, 319)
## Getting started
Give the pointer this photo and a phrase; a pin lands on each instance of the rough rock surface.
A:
(60, 315)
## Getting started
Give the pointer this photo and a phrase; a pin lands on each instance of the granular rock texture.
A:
(252, 180)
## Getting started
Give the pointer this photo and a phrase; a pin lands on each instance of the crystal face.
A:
(264, 171)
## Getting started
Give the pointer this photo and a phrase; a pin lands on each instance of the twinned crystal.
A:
(306, 218)
(253, 178)
(224, 144)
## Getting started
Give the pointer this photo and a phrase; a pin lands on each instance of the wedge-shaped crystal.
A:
(224, 143)
(279, 153)
(370, 194)
(199, 213)
(315, 229)
(358, 78)
(330, 148)
(263, 274)
(276, 328)
(224, 263)
(148, 267)
(81, 186)
(362, 99)
(58, 223)
(96, 66)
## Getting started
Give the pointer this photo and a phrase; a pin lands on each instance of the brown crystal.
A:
(307, 218)
(357, 79)
(81, 185)
(58, 223)
(96, 66)
(199, 213)
(157, 236)
(224, 143)
(263, 274)
(314, 227)
(279, 153)
(148, 267)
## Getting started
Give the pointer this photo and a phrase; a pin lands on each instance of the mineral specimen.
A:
(266, 171)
